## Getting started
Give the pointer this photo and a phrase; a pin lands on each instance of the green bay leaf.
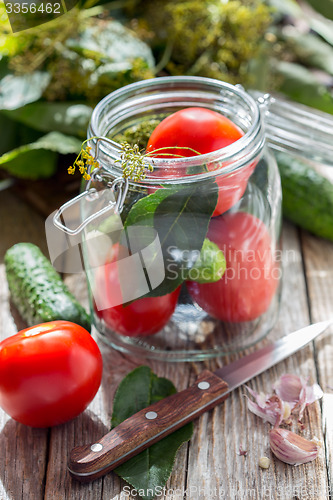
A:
(148, 471)
(65, 117)
(39, 159)
(180, 215)
(29, 164)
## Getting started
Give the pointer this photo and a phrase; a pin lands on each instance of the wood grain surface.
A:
(33, 462)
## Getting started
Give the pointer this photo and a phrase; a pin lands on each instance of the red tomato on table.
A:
(49, 373)
(246, 289)
(142, 317)
(204, 131)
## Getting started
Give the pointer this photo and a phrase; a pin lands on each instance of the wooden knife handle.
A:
(146, 427)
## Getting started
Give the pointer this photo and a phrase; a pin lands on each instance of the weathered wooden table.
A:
(33, 461)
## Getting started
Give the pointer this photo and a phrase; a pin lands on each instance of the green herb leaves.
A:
(148, 471)
(66, 117)
(51, 77)
(38, 159)
(180, 215)
(18, 90)
(209, 267)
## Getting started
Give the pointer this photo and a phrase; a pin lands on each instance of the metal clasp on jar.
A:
(118, 187)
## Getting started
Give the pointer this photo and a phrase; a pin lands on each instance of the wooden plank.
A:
(19, 223)
(318, 256)
(215, 468)
(209, 468)
(95, 422)
(87, 427)
(47, 195)
(23, 449)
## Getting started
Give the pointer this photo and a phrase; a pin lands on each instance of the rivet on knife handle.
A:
(146, 427)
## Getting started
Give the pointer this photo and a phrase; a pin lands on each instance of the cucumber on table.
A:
(38, 291)
(307, 196)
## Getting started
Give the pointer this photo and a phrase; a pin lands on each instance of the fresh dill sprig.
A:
(132, 160)
(85, 162)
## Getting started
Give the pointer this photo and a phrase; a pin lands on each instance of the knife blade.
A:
(141, 430)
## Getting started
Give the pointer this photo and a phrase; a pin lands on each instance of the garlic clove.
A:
(292, 448)
(295, 390)
(309, 394)
(270, 408)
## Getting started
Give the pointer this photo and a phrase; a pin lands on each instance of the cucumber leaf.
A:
(111, 42)
(16, 91)
(59, 143)
(148, 471)
(39, 159)
(29, 163)
(65, 117)
(115, 54)
(180, 215)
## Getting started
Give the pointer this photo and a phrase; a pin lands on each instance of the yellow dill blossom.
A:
(85, 162)
(132, 161)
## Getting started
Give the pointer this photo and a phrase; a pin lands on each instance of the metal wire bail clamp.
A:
(119, 185)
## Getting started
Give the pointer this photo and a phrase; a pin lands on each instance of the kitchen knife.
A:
(151, 424)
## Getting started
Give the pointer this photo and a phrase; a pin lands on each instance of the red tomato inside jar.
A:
(193, 131)
(139, 318)
(246, 289)
(211, 184)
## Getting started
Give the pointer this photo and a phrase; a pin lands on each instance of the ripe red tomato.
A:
(246, 289)
(204, 131)
(49, 373)
(201, 129)
(142, 317)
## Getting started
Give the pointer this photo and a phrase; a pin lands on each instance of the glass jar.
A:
(185, 264)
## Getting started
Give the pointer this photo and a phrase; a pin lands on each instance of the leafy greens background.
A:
(52, 76)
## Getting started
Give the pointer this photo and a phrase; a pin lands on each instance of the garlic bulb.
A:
(292, 448)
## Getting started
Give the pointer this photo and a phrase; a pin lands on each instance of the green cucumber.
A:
(38, 291)
(307, 196)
